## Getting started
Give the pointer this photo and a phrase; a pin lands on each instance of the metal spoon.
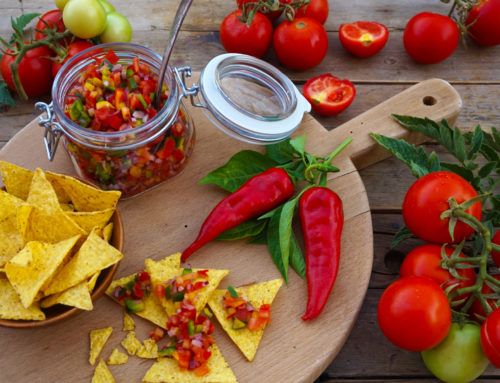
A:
(176, 26)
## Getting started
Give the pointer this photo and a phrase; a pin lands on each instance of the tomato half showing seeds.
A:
(300, 44)
(413, 313)
(424, 261)
(430, 38)
(428, 197)
(363, 38)
(482, 23)
(329, 95)
(490, 337)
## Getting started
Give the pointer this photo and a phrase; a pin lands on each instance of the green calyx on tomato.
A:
(329, 95)
(459, 358)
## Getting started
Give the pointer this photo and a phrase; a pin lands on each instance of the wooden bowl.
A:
(59, 313)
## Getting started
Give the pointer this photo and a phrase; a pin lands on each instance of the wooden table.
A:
(474, 72)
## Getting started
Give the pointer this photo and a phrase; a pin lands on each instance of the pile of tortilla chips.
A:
(54, 241)
(157, 311)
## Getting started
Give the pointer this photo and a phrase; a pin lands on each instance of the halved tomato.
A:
(329, 95)
(363, 38)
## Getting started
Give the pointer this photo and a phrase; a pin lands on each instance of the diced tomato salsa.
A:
(111, 96)
(242, 312)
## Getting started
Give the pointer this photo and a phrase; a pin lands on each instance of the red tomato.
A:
(73, 49)
(490, 337)
(34, 71)
(413, 313)
(363, 38)
(430, 38)
(328, 95)
(483, 23)
(424, 261)
(317, 9)
(476, 311)
(428, 197)
(496, 254)
(300, 44)
(54, 19)
(271, 15)
(236, 37)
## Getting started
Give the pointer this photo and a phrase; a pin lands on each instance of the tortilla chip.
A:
(98, 339)
(117, 357)
(107, 232)
(85, 197)
(89, 220)
(11, 306)
(131, 343)
(102, 374)
(33, 267)
(11, 240)
(257, 294)
(128, 322)
(167, 370)
(41, 193)
(94, 255)
(153, 310)
(149, 350)
(16, 179)
(163, 271)
(76, 296)
(92, 281)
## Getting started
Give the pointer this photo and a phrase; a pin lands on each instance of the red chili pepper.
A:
(257, 196)
(322, 220)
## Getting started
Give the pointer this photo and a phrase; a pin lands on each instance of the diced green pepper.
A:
(76, 109)
(198, 329)
(186, 271)
(142, 101)
(207, 313)
(130, 72)
(178, 297)
(238, 324)
(232, 292)
(134, 306)
(132, 84)
(167, 351)
(168, 292)
(191, 328)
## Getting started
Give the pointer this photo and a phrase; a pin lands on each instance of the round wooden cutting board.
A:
(166, 219)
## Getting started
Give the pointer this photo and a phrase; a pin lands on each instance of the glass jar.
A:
(130, 159)
(243, 96)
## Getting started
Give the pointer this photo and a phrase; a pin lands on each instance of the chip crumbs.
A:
(98, 339)
(102, 374)
(117, 357)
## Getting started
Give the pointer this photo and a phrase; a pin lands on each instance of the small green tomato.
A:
(84, 18)
(60, 4)
(108, 7)
(118, 29)
(459, 358)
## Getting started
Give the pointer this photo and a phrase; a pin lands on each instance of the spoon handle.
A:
(176, 26)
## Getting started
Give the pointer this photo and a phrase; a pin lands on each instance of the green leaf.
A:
(295, 169)
(489, 152)
(415, 158)
(5, 96)
(246, 229)
(487, 168)
(273, 243)
(297, 258)
(459, 145)
(281, 152)
(475, 143)
(239, 169)
(285, 226)
(402, 234)
(19, 23)
(261, 238)
(299, 144)
(461, 171)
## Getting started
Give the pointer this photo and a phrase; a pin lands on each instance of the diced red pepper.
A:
(157, 334)
(111, 57)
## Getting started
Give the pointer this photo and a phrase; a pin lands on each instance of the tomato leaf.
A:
(239, 169)
(5, 96)
(402, 234)
(281, 152)
(246, 229)
(415, 158)
(19, 23)
(299, 144)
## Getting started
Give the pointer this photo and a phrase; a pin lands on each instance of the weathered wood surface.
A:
(474, 72)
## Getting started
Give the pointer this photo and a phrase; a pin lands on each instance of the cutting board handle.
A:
(433, 98)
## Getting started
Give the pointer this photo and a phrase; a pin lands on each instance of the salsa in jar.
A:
(116, 97)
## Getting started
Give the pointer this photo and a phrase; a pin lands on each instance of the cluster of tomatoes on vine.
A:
(28, 67)
(444, 304)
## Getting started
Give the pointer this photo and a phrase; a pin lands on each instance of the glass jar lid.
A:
(250, 99)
